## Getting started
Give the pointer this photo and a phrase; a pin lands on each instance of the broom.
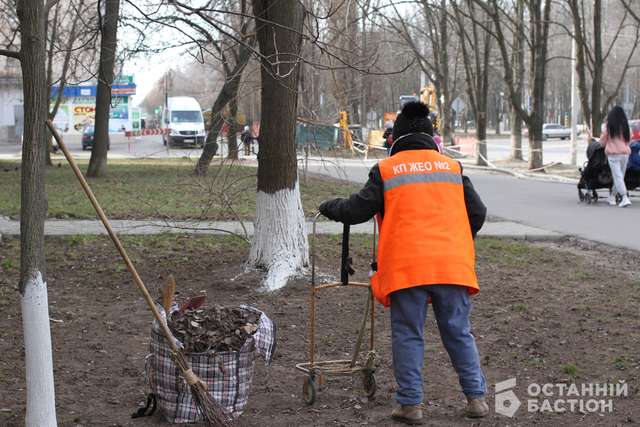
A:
(212, 412)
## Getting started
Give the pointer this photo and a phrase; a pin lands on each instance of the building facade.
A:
(11, 112)
(78, 107)
(76, 110)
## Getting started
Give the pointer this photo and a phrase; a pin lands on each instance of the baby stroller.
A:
(596, 175)
(632, 176)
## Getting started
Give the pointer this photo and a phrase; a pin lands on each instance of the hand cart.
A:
(318, 371)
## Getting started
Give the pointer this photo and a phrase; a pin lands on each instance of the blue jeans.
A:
(451, 306)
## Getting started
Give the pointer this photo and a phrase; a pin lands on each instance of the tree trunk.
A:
(33, 210)
(481, 136)
(228, 92)
(535, 144)
(53, 35)
(108, 45)
(518, 70)
(598, 67)
(443, 64)
(232, 136)
(539, 70)
(211, 143)
(516, 134)
(498, 111)
(279, 243)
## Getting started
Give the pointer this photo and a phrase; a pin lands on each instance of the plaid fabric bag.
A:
(228, 375)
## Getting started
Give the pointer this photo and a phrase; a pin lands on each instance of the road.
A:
(547, 205)
(152, 147)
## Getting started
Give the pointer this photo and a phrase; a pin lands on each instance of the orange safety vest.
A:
(425, 236)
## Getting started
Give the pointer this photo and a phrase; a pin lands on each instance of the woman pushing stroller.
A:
(615, 139)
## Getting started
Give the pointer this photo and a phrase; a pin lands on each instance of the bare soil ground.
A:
(556, 312)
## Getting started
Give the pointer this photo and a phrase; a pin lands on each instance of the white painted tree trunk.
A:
(279, 242)
(41, 408)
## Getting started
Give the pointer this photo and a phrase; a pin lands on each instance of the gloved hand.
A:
(324, 208)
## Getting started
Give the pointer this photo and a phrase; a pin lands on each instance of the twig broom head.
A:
(212, 412)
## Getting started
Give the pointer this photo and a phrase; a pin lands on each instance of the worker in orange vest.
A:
(429, 214)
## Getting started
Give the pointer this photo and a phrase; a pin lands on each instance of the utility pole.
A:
(574, 105)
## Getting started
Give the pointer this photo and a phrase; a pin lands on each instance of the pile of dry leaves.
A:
(214, 329)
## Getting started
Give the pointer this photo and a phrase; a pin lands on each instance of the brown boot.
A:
(408, 414)
(476, 407)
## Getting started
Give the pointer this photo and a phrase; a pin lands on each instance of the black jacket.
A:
(362, 206)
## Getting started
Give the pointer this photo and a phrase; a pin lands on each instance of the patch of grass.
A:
(619, 363)
(521, 308)
(512, 253)
(570, 369)
(161, 189)
(536, 360)
(8, 264)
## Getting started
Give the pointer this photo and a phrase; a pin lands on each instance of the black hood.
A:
(413, 141)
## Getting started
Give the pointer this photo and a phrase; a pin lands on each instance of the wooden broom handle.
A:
(136, 277)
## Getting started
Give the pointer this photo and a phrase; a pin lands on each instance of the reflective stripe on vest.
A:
(425, 237)
(454, 178)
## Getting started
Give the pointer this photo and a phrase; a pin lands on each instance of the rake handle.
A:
(116, 241)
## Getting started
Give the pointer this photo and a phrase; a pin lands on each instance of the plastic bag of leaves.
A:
(224, 362)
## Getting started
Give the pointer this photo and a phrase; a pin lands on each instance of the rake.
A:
(211, 410)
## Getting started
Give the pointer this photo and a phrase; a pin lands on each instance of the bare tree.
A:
(33, 210)
(108, 44)
(234, 52)
(537, 30)
(218, 31)
(342, 36)
(518, 84)
(475, 44)
(430, 41)
(279, 243)
(592, 58)
(62, 42)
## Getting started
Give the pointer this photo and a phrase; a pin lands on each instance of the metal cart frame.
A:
(318, 371)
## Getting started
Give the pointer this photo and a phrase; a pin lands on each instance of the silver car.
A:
(554, 130)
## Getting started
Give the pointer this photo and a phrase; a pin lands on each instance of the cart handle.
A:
(346, 268)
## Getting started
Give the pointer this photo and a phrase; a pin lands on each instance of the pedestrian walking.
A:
(429, 214)
(615, 139)
(245, 138)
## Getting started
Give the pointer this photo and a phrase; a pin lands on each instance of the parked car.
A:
(554, 130)
(87, 138)
(634, 127)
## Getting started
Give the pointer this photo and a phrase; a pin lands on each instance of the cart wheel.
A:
(587, 198)
(369, 384)
(309, 390)
(595, 196)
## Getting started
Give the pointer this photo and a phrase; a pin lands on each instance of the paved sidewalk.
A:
(94, 227)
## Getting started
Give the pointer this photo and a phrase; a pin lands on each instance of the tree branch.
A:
(10, 54)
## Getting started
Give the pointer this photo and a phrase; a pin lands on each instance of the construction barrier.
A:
(145, 132)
